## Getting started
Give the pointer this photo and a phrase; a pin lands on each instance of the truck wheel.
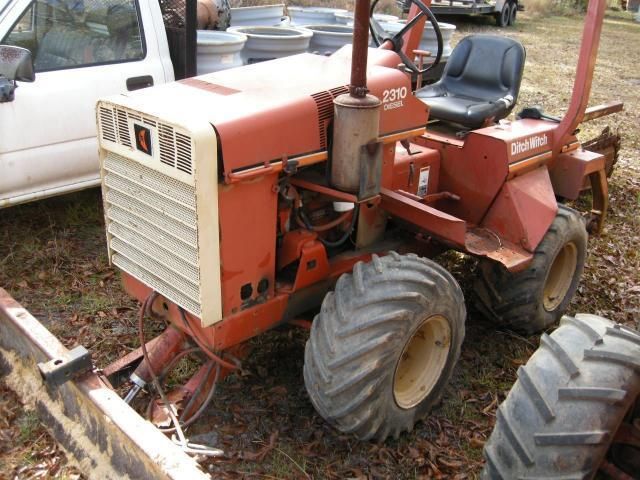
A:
(531, 300)
(571, 398)
(384, 345)
(502, 18)
(513, 13)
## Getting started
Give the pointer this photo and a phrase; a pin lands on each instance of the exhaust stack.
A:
(356, 114)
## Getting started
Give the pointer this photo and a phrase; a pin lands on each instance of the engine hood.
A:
(281, 108)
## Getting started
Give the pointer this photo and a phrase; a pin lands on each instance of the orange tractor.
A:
(237, 201)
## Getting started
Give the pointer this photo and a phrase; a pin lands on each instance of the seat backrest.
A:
(124, 33)
(486, 67)
(62, 46)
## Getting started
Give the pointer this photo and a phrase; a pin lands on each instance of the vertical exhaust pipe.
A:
(356, 114)
(360, 50)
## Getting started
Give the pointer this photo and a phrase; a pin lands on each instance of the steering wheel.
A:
(380, 36)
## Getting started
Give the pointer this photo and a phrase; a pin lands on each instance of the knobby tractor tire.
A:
(384, 345)
(561, 415)
(532, 300)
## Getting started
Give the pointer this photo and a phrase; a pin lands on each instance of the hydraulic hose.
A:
(342, 239)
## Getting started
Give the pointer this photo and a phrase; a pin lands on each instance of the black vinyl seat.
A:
(480, 82)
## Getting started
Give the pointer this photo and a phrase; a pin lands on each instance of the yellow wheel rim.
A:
(422, 361)
(560, 276)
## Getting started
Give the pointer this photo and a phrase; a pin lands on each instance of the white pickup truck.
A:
(81, 50)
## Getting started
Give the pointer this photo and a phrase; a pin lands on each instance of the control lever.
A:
(536, 113)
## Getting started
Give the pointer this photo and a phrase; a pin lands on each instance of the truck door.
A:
(82, 50)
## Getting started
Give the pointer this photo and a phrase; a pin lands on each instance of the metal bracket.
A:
(370, 170)
(7, 89)
(57, 371)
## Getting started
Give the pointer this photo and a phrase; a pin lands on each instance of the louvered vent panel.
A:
(108, 125)
(183, 153)
(123, 128)
(167, 145)
(335, 92)
(151, 220)
(324, 102)
(174, 148)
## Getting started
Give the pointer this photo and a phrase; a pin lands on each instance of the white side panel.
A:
(206, 159)
(37, 175)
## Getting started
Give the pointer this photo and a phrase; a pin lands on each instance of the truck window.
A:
(77, 33)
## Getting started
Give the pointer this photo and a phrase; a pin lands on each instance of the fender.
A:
(510, 215)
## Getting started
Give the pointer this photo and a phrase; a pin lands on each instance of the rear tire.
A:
(513, 13)
(384, 345)
(502, 18)
(571, 397)
(532, 300)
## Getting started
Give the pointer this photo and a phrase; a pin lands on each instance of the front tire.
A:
(571, 398)
(384, 345)
(532, 300)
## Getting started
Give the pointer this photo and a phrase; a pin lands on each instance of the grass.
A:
(53, 260)
(28, 424)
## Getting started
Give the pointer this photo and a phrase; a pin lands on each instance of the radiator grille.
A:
(174, 147)
(151, 221)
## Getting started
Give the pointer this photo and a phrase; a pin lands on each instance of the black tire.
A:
(513, 13)
(521, 301)
(571, 397)
(502, 18)
(359, 338)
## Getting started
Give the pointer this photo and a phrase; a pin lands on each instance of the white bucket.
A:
(267, 43)
(313, 15)
(346, 18)
(266, 15)
(219, 50)
(329, 38)
(428, 41)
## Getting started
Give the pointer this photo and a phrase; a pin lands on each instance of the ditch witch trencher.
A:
(238, 201)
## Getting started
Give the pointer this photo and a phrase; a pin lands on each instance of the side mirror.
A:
(16, 64)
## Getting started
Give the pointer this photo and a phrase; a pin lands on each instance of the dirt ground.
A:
(52, 259)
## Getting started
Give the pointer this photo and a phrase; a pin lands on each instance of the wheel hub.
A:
(423, 358)
(560, 276)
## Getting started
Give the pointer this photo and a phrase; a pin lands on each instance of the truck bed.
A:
(455, 7)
